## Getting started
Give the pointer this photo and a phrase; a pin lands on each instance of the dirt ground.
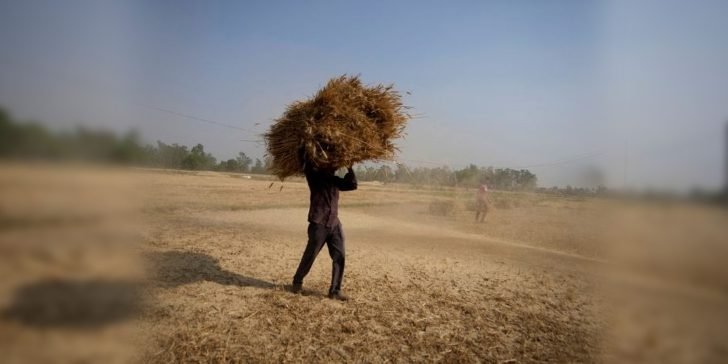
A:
(118, 265)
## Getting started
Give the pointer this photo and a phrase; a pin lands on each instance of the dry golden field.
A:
(116, 265)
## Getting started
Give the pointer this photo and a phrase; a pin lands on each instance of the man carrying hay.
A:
(324, 226)
(345, 122)
(481, 203)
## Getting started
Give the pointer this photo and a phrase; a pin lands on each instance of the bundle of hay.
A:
(346, 122)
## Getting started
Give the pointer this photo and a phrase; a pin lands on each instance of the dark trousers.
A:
(318, 234)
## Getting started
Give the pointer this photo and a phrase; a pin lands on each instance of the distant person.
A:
(324, 226)
(481, 203)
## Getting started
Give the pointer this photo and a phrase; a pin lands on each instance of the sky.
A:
(634, 91)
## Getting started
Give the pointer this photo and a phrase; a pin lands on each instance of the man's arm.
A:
(348, 183)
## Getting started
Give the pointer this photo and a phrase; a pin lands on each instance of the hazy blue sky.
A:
(637, 89)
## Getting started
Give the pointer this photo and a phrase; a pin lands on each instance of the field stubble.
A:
(194, 268)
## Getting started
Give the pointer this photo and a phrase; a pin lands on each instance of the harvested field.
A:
(109, 265)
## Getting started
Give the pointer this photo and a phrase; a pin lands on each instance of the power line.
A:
(93, 87)
(196, 118)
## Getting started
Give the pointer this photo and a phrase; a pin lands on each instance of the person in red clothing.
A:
(481, 203)
(324, 226)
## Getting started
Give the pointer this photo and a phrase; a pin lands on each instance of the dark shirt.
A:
(325, 187)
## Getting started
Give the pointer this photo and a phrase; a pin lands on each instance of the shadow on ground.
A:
(176, 268)
(95, 303)
(69, 303)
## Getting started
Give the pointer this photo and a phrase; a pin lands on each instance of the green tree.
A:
(243, 162)
(8, 134)
(198, 159)
(129, 151)
(468, 176)
(258, 168)
(171, 156)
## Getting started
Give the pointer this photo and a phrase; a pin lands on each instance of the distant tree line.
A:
(470, 176)
(30, 140)
(576, 191)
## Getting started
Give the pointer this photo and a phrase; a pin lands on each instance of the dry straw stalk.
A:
(345, 122)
